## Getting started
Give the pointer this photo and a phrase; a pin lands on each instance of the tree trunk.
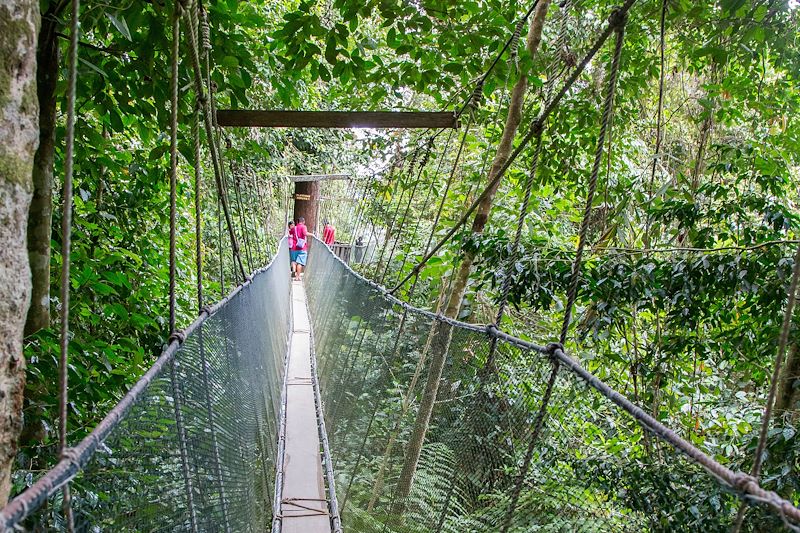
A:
(787, 389)
(439, 353)
(503, 152)
(41, 210)
(19, 20)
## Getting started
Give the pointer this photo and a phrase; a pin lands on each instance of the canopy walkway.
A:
(332, 405)
(223, 433)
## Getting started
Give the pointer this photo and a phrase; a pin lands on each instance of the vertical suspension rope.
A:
(425, 157)
(393, 221)
(177, 392)
(783, 341)
(198, 222)
(193, 17)
(521, 216)
(219, 250)
(173, 162)
(431, 191)
(242, 219)
(360, 204)
(406, 399)
(212, 145)
(66, 245)
(618, 20)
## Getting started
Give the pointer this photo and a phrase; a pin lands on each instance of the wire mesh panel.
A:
(483, 465)
(197, 450)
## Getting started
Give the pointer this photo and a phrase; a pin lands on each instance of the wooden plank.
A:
(335, 119)
(304, 508)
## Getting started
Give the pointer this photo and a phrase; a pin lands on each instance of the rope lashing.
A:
(475, 98)
(66, 247)
(206, 29)
(514, 53)
(548, 109)
(178, 336)
(562, 51)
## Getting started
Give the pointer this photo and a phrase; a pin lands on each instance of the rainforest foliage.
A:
(692, 232)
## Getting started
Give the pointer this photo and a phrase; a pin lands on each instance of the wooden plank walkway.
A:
(304, 507)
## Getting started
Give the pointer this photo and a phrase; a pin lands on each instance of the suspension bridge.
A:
(332, 405)
(227, 431)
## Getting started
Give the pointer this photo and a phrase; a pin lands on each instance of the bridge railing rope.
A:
(589, 470)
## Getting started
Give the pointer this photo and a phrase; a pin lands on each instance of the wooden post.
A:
(306, 199)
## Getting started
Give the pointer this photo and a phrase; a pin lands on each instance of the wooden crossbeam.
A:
(335, 119)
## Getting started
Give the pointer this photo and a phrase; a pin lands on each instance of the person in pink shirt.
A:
(328, 233)
(291, 239)
(301, 246)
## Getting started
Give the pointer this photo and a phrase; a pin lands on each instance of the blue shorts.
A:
(293, 255)
(302, 255)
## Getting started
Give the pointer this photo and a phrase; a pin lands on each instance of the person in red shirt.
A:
(301, 246)
(328, 233)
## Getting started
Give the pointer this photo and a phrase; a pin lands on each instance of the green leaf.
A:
(230, 62)
(330, 49)
(120, 24)
(93, 67)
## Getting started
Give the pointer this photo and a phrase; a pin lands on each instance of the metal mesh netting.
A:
(593, 467)
(197, 450)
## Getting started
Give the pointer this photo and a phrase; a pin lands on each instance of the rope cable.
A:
(237, 193)
(608, 105)
(659, 117)
(173, 162)
(66, 246)
(198, 202)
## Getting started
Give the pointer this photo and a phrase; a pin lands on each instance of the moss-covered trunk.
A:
(41, 210)
(788, 390)
(19, 111)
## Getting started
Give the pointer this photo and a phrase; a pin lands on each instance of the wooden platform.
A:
(303, 504)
